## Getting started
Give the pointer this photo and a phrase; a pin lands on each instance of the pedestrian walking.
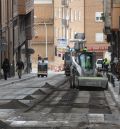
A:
(39, 57)
(19, 68)
(6, 68)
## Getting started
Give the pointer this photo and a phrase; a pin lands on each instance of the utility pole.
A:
(46, 39)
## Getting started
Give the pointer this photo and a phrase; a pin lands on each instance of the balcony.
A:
(42, 21)
(22, 7)
(65, 2)
(29, 21)
(65, 22)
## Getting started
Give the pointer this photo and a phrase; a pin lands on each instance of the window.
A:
(79, 15)
(98, 16)
(60, 12)
(56, 32)
(99, 37)
(86, 61)
(75, 13)
(56, 13)
(72, 16)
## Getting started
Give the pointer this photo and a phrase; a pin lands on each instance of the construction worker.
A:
(85, 49)
(105, 64)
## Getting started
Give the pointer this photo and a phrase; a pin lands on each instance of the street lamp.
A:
(46, 38)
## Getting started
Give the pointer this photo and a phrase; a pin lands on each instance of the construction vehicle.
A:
(42, 67)
(67, 63)
(83, 70)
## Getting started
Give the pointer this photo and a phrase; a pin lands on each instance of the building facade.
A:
(16, 24)
(79, 16)
(43, 41)
(66, 19)
(6, 35)
(23, 18)
(112, 31)
(95, 38)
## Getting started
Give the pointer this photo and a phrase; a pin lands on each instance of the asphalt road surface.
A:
(51, 104)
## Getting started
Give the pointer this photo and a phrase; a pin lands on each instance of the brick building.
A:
(67, 18)
(43, 41)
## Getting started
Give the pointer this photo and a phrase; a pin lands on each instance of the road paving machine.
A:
(42, 67)
(82, 69)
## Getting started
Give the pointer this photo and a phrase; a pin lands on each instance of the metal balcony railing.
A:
(41, 20)
(65, 22)
(65, 2)
(22, 7)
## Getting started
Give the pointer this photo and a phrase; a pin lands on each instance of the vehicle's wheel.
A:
(76, 82)
(71, 82)
(106, 88)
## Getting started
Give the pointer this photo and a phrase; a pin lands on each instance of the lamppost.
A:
(46, 39)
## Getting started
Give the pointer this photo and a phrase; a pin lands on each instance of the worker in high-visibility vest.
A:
(85, 49)
(106, 64)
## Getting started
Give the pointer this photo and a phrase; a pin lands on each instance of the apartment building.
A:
(68, 20)
(69, 17)
(43, 40)
(79, 16)
(16, 24)
(96, 40)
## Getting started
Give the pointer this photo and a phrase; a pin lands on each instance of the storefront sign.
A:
(97, 48)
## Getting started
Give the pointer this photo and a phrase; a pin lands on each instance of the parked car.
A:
(99, 63)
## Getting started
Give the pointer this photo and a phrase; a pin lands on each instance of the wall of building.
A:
(115, 16)
(95, 39)
(43, 26)
(12, 27)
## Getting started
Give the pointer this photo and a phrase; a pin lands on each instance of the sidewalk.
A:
(114, 88)
(15, 79)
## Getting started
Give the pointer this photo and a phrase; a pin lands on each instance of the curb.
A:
(16, 81)
(114, 95)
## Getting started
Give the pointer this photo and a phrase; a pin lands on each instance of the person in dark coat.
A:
(6, 68)
(20, 67)
(39, 57)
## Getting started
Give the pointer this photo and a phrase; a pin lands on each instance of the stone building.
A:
(43, 40)
(6, 34)
(16, 24)
(23, 18)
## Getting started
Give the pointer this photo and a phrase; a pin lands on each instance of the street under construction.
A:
(50, 103)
